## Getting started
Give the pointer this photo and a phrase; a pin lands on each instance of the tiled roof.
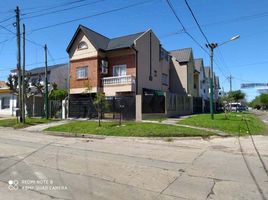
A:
(182, 55)
(40, 70)
(3, 84)
(101, 42)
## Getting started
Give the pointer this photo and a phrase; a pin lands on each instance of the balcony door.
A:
(119, 70)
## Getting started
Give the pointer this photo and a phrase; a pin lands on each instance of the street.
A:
(39, 166)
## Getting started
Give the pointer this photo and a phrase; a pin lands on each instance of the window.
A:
(104, 67)
(81, 72)
(119, 70)
(161, 54)
(82, 45)
(165, 79)
(5, 102)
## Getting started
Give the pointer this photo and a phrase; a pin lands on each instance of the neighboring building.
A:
(128, 66)
(55, 73)
(199, 66)
(207, 88)
(183, 62)
(207, 83)
(216, 87)
(7, 100)
(35, 100)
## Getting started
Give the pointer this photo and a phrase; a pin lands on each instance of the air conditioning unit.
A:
(104, 67)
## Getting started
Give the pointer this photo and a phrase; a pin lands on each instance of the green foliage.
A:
(58, 94)
(255, 103)
(29, 122)
(100, 104)
(264, 100)
(260, 101)
(236, 95)
(233, 124)
(132, 129)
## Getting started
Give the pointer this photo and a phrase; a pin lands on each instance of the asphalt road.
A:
(37, 166)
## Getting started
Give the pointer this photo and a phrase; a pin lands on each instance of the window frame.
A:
(5, 102)
(164, 80)
(86, 72)
(80, 43)
(120, 66)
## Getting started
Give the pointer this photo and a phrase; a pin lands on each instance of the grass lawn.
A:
(232, 125)
(128, 129)
(29, 122)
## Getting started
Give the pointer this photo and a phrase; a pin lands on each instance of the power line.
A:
(49, 7)
(61, 10)
(192, 13)
(9, 18)
(183, 27)
(90, 16)
(31, 41)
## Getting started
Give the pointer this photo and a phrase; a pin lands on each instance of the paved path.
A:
(117, 168)
(41, 127)
(174, 122)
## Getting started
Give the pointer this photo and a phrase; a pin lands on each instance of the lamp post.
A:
(211, 47)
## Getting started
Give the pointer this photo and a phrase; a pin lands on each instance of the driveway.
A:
(38, 166)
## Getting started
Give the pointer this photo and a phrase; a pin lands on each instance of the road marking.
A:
(40, 175)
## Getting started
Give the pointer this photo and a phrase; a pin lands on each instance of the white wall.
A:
(12, 104)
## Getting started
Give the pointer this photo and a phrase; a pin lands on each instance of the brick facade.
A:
(93, 73)
(128, 60)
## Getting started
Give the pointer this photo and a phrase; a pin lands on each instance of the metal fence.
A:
(153, 104)
(197, 105)
(83, 107)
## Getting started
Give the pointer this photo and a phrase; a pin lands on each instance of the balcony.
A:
(117, 84)
(118, 80)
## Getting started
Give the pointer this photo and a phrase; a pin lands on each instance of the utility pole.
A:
(46, 82)
(211, 46)
(19, 62)
(230, 79)
(23, 76)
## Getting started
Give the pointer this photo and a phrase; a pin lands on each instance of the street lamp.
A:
(212, 46)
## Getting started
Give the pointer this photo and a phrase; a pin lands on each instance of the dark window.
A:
(5, 102)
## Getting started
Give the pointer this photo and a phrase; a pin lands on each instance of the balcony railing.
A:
(118, 80)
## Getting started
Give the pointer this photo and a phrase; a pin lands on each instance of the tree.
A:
(100, 104)
(12, 83)
(256, 103)
(237, 95)
(57, 94)
(264, 100)
(39, 87)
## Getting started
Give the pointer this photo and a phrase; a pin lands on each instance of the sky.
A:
(246, 59)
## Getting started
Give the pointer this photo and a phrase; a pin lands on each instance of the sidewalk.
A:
(42, 127)
(174, 122)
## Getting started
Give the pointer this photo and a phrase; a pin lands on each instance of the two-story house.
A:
(199, 66)
(183, 62)
(131, 66)
(207, 87)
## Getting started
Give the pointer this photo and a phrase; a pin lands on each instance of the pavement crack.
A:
(199, 155)
(211, 190)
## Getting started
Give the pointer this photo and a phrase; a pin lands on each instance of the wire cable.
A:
(61, 10)
(90, 16)
(192, 13)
